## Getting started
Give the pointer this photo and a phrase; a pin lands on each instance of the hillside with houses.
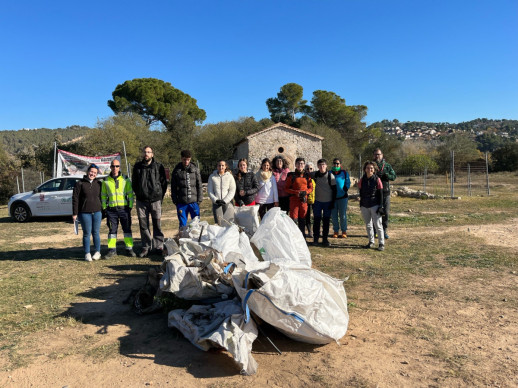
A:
(413, 130)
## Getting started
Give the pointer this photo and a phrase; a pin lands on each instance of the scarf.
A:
(264, 175)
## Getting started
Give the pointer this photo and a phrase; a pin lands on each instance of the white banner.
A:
(72, 164)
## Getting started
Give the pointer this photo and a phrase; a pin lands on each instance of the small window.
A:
(71, 183)
(53, 185)
(281, 150)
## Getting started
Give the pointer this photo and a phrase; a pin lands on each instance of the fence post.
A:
(54, 168)
(360, 159)
(487, 175)
(23, 182)
(469, 179)
(424, 178)
(452, 173)
(126, 160)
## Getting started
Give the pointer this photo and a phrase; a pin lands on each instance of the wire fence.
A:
(28, 179)
(462, 179)
(467, 181)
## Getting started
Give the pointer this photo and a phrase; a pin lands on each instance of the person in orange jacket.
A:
(299, 185)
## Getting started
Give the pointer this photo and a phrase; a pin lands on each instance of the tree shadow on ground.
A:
(149, 337)
(72, 253)
(68, 253)
(37, 220)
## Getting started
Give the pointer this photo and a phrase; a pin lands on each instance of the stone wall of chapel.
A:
(282, 141)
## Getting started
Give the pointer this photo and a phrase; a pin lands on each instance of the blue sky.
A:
(407, 59)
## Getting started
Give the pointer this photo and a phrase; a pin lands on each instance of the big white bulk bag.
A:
(279, 239)
(303, 303)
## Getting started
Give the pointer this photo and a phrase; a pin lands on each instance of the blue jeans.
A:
(321, 213)
(340, 213)
(182, 209)
(91, 225)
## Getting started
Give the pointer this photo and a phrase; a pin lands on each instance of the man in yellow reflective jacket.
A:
(117, 201)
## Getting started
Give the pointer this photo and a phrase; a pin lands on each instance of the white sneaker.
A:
(96, 256)
(88, 257)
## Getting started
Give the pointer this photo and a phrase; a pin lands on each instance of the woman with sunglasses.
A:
(339, 213)
(86, 206)
(117, 202)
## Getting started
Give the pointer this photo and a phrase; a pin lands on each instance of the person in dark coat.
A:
(371, 204)
(86, 206)
(246, 185)
(149, 184)
(186, 188)
(386, 173)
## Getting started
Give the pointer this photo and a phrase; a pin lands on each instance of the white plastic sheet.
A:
(219, 325)
(279, 240)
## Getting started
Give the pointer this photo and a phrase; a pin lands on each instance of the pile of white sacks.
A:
(217, 266)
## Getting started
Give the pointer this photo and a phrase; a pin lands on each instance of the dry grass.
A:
(427, 288)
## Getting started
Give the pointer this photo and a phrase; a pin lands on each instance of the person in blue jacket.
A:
(339, 213)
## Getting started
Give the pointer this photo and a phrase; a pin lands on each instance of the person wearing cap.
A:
(186, 188)
(117, 202)
(299, 185)
(339, 213)
(86, 207)
(149, 184)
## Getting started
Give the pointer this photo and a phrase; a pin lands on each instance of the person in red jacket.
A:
(298, 186)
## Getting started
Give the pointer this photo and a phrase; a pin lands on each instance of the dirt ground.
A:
(406, 339)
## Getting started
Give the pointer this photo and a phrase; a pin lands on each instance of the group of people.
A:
(115, 197)
(306, 190)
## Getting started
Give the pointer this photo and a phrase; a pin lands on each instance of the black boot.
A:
(296, 221)
(310, 231)
(302, 226)
(316, 230)
(325, 231)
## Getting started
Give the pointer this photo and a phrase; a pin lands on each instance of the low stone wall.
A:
(410, 193)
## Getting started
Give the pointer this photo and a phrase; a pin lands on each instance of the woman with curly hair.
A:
(280, 170)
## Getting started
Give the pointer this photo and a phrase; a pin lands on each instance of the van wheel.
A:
(20, 212)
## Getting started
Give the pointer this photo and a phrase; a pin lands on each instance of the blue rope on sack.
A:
(246, 279)
(247, 310)
(227, 268)
(245, 305)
